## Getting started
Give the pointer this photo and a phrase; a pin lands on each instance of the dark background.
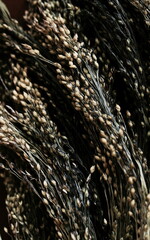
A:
(16, 8)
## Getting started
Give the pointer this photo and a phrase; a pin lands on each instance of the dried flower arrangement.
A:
(74, 120)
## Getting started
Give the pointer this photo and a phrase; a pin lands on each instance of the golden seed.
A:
(148, 197)
(38, 167)
(104, 141)
(130, 180)
(118, 108)
(132, 203)
(132, 190)
(45, 201)
(92, 169)
(45, 184)
(53, 182)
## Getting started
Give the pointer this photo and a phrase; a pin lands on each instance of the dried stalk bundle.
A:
(74, 120)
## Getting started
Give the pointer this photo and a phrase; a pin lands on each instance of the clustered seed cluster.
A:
(74, 120)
